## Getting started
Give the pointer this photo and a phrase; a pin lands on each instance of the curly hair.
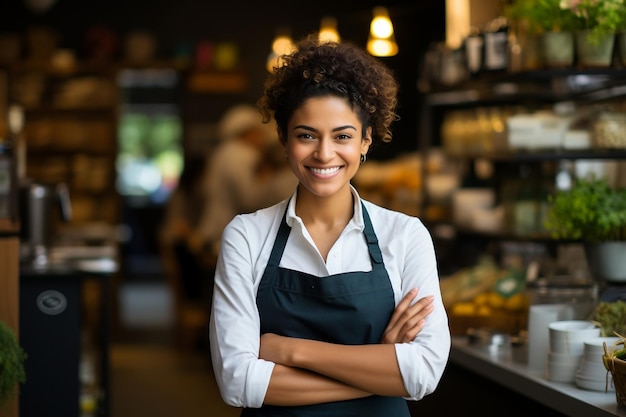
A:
(324, 68)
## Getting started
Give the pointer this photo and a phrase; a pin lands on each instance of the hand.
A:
(407, 320)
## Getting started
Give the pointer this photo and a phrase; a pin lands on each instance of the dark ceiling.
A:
(252, 25)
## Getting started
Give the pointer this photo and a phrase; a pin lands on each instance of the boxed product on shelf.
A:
(536, 130)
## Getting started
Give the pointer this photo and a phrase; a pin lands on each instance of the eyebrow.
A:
(337, 129)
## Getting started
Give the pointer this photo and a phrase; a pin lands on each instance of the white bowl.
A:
(594, 348)
(573, 326)
(562, 373)
(559, 358)
(568, 336)
(592, 370)
(595, 385)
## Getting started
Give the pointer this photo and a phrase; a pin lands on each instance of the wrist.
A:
(301, 352)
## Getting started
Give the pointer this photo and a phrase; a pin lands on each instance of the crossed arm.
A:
(312, 372)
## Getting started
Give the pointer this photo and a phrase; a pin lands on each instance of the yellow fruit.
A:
(463, 309)
(481, 299)
(495, 300)
(516, 302)
(484, 310)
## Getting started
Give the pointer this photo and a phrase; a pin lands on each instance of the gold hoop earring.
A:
(363, 158)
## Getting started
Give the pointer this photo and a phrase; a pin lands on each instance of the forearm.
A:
(371, 368)
(293, 386)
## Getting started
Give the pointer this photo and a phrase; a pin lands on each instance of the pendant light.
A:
(381, 41)
(282, 44)
(328, 30)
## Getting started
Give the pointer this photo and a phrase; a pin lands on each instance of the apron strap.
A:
(280, 242)
(370, 236)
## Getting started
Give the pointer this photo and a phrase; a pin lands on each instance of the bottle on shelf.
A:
(496, 55)
(474, 48)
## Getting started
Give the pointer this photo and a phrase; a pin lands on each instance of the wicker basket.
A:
(617, 367)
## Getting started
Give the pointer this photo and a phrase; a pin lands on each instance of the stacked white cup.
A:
(539, 318)
(567, 339)
(591, 373)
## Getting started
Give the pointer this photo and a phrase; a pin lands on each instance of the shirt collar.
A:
(356, 221)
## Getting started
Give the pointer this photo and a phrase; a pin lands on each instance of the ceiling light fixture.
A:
(381, 41)
(282, 44)
(328, 30)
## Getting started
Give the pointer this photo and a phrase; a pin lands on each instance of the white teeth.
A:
(325, 171)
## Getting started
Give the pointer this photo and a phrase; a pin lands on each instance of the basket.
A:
(617, 368)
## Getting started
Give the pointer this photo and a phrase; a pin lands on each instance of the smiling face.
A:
(325, 140)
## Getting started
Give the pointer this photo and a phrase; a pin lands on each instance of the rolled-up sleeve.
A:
(241, 376)
(423, 360)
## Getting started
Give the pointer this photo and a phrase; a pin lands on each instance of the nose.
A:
(325, 150)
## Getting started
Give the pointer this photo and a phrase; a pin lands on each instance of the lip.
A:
(325, 172)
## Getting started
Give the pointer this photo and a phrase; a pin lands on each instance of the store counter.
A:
(479, 382)
(64, 330)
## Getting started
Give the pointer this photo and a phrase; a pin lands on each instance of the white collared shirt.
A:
(247, 242)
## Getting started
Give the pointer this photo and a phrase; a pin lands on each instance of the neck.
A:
(336, 210)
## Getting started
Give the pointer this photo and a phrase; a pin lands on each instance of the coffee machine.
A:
(41, 208)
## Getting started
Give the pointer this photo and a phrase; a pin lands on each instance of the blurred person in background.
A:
(181, 216)
(190, 280)
(242, 174)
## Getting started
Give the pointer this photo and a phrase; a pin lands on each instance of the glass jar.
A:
(580, 294)
(609, 130)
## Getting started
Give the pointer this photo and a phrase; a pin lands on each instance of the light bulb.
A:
(381, 26)
(381, 41)
(282, 44)
(328, 30)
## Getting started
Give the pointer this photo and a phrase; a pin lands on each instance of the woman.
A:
(315, 309)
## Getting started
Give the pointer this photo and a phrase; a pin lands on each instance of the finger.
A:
(413, 332)
(402, 306)
(412, 327)
(405, 312)
(414, 310)
(418, 311)
(404, 326)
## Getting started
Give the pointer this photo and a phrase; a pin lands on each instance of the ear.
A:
(366, 142)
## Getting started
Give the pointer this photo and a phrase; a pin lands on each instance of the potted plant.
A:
(598, 17)
(598, 21)
(552, 23)
(542, 15)
(11, 363)
(595, 213)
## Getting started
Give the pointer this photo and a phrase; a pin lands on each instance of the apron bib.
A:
(349, 308)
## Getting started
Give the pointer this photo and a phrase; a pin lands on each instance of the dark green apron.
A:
(352, 308)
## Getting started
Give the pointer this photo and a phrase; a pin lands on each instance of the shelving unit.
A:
(528, 91)
(70, 132)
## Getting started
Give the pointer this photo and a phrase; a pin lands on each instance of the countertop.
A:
(565, 398)
(75, 260)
